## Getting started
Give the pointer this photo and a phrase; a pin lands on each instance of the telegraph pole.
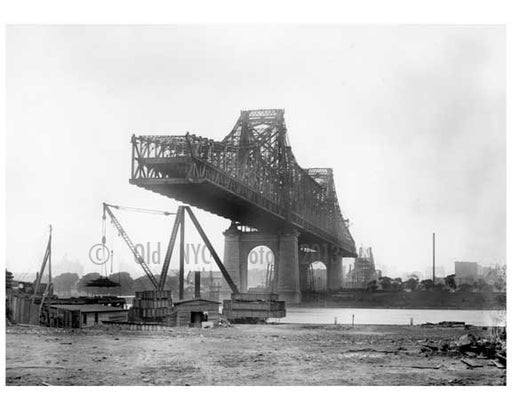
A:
(434, 258)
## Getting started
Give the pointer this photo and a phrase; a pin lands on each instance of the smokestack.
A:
(434, 258)
(197, 284)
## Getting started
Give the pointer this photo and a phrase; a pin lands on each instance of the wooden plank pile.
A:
(135, 326)
(22, 309)
(254, 306)
(151, 306)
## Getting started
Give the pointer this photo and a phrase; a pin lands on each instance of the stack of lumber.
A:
(151, 305)
(254, 305)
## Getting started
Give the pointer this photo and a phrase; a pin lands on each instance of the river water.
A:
(390, 316)
(309, 315)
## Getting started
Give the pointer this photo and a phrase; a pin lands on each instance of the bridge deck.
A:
(180, 184)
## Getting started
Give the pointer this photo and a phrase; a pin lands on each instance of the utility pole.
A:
(182, 254)
(434, 258)
(49, 259)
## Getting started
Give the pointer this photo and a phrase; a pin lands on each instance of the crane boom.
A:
(178, 223)
(124, 235)
(46, 258)
(206, 241)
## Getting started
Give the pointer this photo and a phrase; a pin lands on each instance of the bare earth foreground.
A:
(241, 355)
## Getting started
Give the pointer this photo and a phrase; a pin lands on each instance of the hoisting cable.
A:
(143, 210)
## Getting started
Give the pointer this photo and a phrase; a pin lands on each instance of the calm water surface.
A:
(311, 315)
(391, 316)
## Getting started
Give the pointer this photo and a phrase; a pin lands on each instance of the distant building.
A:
(363, 272)
(466, 272)
(208, 278)
(213, 285)
(68, 265)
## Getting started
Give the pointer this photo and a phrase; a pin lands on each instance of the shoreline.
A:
(330, 306)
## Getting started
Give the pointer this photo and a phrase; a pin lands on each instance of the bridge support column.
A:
(232, 254)
(288, 267)
(334, 269)
(238, 245)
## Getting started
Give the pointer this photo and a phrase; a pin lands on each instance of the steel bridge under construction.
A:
(252, 178)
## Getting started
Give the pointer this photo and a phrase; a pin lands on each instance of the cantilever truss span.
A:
(250, 177)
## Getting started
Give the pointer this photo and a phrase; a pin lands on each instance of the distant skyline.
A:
(410, 118)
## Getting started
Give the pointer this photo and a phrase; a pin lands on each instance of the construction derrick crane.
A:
(47, 260)
(128, 241)
(242, 306)
(179, 223)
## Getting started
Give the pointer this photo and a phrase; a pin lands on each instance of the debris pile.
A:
(445, 324)
(223, 323)
(472, 347)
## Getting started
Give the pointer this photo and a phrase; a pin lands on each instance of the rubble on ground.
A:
(446, 324)
(223, 323)
(468, 346)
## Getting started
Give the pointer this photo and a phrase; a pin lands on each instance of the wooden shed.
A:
(77, 316)
(193, 312)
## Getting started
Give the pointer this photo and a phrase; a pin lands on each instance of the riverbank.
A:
(334, 305)
(275, 354)
(407, 300)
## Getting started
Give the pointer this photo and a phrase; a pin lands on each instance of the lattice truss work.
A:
(254, 161)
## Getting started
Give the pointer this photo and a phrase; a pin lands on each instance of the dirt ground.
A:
(240, 355)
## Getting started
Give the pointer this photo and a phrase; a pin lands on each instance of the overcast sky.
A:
(411, 119)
